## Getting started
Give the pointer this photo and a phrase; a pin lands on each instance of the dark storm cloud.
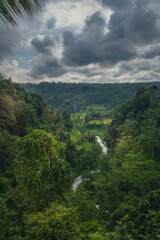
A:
(42, 45)
(132, 24)
(47, 66)
(136, 66)
(44, 63)
(152, 53)
(9, 39)
(117, 4)
(94, 46)
(143, 28)
(138, 26)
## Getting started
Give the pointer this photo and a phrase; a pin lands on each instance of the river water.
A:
(79, 179)
(101, 143)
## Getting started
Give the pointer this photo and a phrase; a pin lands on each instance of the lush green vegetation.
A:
(40, 154)
(127, 190)
(77, 97)
(42, 151)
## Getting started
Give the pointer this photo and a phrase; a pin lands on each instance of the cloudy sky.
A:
(84, 41)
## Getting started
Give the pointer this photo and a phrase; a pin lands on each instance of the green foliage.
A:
(148, 229)
(57, 222)
(86, 209)
(18, 109)
(5, 184)
(113, 236)
(77, 97)
(3, 220)
(128, 190)
(120, 200)
(88, 159)
(7, 151)
(71, 154)
(95, 236)
(40, 172)
(25, 117)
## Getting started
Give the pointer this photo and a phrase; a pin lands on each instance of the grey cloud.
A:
(136, 24)
(125, 4)
(91, 72)
(80, 49)
(155, 75)
(44, 62)
(112, 52)
(49, 67)
(152, 52)
(42, 45)
(9, 40)
(94, 46)
(157, 68)
(116, 4)
(64, 1)
(131, 24)
(145, 67)
(94, 25)
(136, 66)
(143, 27)
(124, 67)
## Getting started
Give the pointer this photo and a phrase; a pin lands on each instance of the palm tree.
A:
(10, 10)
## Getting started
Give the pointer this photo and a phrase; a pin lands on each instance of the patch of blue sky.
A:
(24, 56)
(51, 23)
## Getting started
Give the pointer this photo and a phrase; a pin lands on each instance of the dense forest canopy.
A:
(76, 97)
(43, 151)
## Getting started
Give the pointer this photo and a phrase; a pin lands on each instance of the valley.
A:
(111, 152)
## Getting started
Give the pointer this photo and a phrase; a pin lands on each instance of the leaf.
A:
(10, 10)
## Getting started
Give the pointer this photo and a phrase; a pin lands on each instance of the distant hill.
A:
(77, 96)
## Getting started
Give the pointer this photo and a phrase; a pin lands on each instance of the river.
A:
(101, 143)
(79, 179)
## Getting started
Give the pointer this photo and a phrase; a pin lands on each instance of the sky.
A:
(94, 41)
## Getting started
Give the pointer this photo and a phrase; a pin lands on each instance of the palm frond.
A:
(10, 10)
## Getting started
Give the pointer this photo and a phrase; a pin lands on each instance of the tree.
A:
(11, 9)
(3, 220)
(57, 222)
(41, 174)
(7, 151)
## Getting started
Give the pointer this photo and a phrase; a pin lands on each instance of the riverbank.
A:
(79, 179)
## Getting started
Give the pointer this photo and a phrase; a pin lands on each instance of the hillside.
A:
(41, 153)
(76, 97)
(128, 188)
